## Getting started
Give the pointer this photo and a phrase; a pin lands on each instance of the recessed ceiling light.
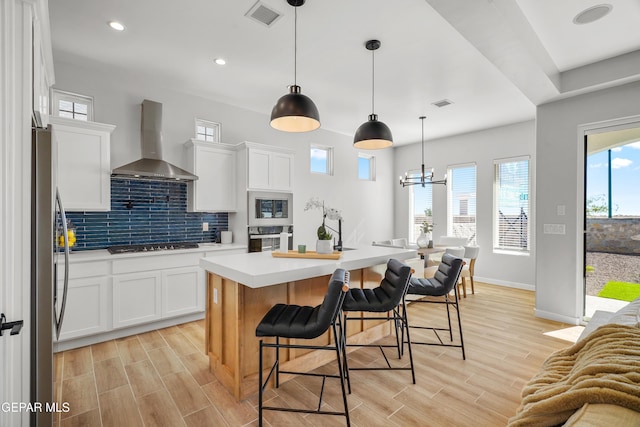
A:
(592, 14)
(116, 25)
(220, 61)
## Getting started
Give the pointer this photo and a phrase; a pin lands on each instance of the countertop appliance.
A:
(151, 247)
(48, 228)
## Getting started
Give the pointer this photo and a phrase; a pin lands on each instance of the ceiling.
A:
(494, 59)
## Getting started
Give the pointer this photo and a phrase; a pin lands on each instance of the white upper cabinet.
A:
(83, 163)
(269, 169)
(42, 73)
(215, 166)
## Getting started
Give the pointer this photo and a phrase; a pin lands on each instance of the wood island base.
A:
(234, 310)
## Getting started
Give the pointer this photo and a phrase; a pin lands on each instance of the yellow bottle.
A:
(71, 235)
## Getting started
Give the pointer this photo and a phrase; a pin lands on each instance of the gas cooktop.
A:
(151, 247)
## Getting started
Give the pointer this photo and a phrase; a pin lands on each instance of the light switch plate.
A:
(560, 210)
(554, 229)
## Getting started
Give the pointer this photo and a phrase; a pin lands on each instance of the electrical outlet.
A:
(205, 226)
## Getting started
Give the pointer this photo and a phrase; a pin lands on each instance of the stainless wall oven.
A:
(262, 239)
(270, 209)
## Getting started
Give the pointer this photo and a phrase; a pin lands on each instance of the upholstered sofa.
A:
(595, 382)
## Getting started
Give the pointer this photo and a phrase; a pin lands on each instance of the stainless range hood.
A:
(151, 165)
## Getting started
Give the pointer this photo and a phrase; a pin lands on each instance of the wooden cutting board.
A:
(308, 254)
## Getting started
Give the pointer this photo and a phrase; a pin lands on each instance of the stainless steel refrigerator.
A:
(48, 225)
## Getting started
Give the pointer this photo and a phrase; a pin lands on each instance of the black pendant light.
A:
(373, 134)
(295, 112)
(425, 178)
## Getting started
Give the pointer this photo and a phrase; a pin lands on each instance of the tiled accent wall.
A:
(145, 212)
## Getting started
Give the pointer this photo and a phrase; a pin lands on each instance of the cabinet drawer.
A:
(83, 269)
(155, 262)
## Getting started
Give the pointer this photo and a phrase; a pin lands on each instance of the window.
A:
(461, 202)
(366, 167)
(321, 159)
(71, 105)
(612, 176)
(207, 131)
(421, 208)
(511, 214)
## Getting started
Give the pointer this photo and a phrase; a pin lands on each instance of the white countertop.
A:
(260, 269)
(103, 254)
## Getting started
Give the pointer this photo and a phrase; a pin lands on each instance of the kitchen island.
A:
(241, 288)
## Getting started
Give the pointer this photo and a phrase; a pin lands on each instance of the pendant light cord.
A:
(422, 119)
(295, 46)
(373, 81)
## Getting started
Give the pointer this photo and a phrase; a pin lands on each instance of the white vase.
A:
(423, 240)
(324, 246)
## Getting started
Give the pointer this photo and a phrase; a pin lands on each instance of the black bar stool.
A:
(442, 283)
(388, 297)
(303, 322)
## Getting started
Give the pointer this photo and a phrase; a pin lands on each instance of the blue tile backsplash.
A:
(145, 212)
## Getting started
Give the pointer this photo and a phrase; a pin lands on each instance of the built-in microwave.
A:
(270, 209)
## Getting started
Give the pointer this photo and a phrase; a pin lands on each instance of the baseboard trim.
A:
(124, 332)
(557, 317)
(504, 283)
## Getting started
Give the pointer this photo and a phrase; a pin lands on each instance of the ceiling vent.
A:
(263, 14)
(442, 103)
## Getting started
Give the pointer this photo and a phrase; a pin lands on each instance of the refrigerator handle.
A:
(63, 305)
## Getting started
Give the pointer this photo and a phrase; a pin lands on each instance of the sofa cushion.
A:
(628, 315)
(603, 414)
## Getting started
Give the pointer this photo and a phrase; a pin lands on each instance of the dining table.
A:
(426, 253)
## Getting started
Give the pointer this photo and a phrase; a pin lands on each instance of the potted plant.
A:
(324, 245)
(424, 240)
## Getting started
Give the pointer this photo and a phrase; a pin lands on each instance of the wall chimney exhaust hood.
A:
(151, 166)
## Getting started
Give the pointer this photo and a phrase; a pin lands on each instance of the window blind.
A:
(512, 205)
(461, 202)
(421, 208)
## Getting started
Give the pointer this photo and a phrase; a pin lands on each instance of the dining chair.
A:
(470, 256)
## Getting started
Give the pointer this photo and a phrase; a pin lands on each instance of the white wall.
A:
(366, 206)
(481, 148)
(560, 157)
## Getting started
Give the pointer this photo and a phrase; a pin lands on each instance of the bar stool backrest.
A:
(330, 307)
(395, 282)
(448, 272)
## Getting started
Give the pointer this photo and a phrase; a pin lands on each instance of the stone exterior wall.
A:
(614, 235)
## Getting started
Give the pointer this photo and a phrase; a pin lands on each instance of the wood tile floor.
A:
(161, 378)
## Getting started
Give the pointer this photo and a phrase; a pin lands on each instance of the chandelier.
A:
(425, 178)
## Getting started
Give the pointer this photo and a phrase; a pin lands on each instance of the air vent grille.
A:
(263, 14)
(442, 103)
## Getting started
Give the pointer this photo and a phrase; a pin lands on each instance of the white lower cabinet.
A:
(182, 291)
(136, 298)
(111, 298)
(86, 308)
